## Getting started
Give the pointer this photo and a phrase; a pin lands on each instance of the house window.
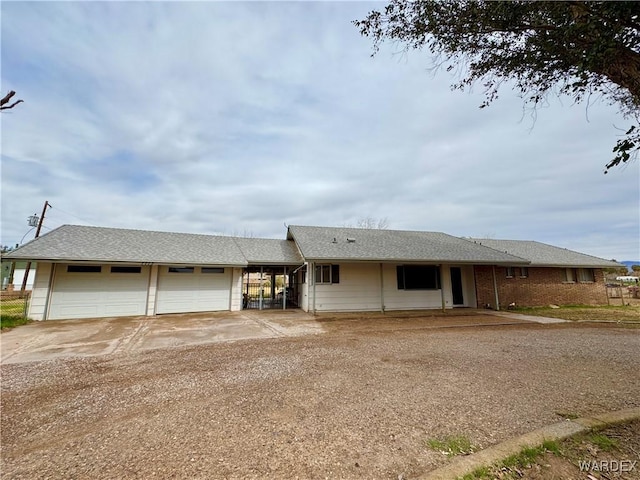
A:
(212, 270)
(84, 268)
(180, 269)
(418, 277)
(570, 275)
(524, 272)
(327, 273)
(119, 269)
(510, 272)
(586, 275)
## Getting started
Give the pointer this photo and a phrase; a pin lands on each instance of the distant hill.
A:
(628, 263)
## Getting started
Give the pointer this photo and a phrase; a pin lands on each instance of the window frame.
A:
(326, 274)
(570, 275)
(126, 269)
(181, 269)
(404, 282)
(585, 275)
(524, 272)
(84, 268)
(212, 270)
(510, 272)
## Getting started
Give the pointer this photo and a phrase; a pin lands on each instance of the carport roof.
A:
(80, 243)
(544, 255)
(266, 251)
(357, 244)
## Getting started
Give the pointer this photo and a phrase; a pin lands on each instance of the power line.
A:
(71, 214)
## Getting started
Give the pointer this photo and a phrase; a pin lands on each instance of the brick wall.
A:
(543, 286)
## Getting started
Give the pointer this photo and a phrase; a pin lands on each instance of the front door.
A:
(456, 286)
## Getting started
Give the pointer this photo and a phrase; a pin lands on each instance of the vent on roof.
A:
(351, 240)
(335, 240)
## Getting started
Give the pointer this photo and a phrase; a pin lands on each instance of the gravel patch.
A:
(360, 401)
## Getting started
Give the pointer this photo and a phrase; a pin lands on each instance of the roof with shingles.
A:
(268, 251)
(74, 242)
(331, 244)
(544, 255)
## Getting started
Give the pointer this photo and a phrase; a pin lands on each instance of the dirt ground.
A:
(360, 401)
(619, 460)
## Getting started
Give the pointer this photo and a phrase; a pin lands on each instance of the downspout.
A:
(495, 287)
(381, 288)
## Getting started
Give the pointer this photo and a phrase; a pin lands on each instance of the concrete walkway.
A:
(520, 316)
(460, 466)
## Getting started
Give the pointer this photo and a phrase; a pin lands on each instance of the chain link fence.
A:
(13, 305)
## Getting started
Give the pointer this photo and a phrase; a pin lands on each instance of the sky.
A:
(240, 118)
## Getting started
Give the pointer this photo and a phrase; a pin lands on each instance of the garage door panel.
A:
(193, 292)
(86, 295)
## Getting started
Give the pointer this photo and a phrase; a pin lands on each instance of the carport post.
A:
(312, 277)
(444, 308)
(284, 291)
(260, 303)
(381, 289)
(495, 287)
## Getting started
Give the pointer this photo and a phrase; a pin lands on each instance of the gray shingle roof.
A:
(73, 242)
(267, 251)
(317, 243)
(541, 254)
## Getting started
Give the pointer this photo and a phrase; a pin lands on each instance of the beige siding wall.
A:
(40, 292)
(358, 290)
(235, 303)
(395, 299)
(153, 290)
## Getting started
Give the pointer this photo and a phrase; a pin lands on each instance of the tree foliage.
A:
(585, 50)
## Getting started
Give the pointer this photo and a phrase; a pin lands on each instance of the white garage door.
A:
(87, 291)
(193, 289)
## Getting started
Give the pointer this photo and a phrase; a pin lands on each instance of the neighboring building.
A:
(103, 272)
(18, 275)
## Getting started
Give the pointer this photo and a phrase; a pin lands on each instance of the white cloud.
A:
(233, 117)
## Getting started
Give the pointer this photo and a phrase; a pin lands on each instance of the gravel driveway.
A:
(358, 401)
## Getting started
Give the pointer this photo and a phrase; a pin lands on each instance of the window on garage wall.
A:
(212, 270)
(125, 269)
(181, 269)
(418, 277)
(84, 268)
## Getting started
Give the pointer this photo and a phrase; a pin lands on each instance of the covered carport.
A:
(272, 279)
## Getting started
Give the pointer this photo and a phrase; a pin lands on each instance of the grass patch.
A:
(11, 321)
(604, 443)
(12, 313)
(617, 313)
(510, 466)
(452, 446)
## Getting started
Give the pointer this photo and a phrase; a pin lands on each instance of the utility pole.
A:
(26, 271)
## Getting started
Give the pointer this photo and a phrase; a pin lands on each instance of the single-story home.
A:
(103, 272)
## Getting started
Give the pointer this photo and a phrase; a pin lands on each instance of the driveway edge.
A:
(557, 431)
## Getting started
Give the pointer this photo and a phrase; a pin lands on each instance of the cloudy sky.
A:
(237, 118)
